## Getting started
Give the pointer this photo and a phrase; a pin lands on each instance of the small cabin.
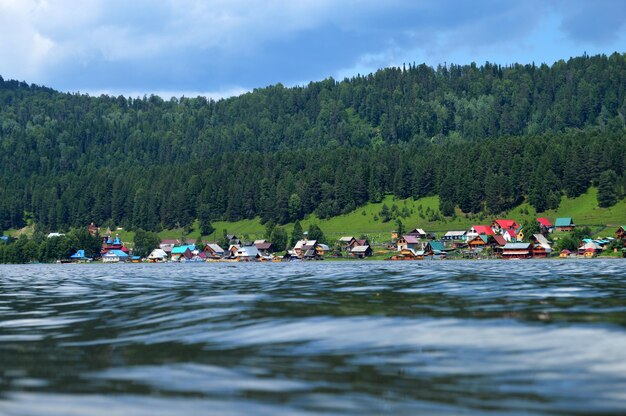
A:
(517, 251)
(564, 224)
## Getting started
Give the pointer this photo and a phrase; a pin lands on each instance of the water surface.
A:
(470, 337)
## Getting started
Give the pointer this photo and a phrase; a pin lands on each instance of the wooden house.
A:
(361, 251)
(496, 243)
(565, 253)
(478, 242)
(265, 247)
(408, 241)
(540, 251)
(213, 251)
(168, 245)
(321, 249)
(435, 249)
(545, 226)
(517, 251)
(564, 224)
(302, 246)
(417, 232)
(347, 243)
(409, 254)
(182, 253)
(620, 234)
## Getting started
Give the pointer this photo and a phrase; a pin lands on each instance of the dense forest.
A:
(484, 138)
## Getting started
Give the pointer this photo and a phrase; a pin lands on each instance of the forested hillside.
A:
(484, 138)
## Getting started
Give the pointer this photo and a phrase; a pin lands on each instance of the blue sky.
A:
(220, 48)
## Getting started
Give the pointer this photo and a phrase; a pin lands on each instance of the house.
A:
(321, 249)
(517, 251)
(435, 249)
(565, 253)
(455, 236)
(478, 230)
(478, 242)
(347, 243)
(545, 226)
(115, 256)
(589, 248)
(500, 226)
(232, 251)
(79, 256)
(497, 243)
(303, 245)
(540, 251)
(158, 255)
(182, 253)
(361, 251)
(168, 245)
(310, 253)
(214, 251)
(540, 245)
(564, 224)
(233, 240)
(248, 253)
(417, 232)
(620, 234)
(408, 241)
(265, 247)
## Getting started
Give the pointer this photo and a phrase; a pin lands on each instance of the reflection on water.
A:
(349, 338)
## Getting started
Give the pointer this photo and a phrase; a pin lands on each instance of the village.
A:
(502, 239)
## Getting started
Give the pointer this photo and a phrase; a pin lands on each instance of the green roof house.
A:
(564, 224)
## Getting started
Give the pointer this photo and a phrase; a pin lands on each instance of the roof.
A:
(512, 233)
(564, 222)
(517, 246)
(115, 253)
(157, 253)
(542, 240)
(499, 239)
(259, 242)
(455, 233)
(215, 247)
(545, 222)
(418, 231)
(181, 249)
(436, 246)
(360, 249)
(323, 247)
(303, 243)
(506, 223)
(483, 229)
(411, 239)
(263, 246)
(346, 239)
(80, 254)
(248, 251)
(566, 251)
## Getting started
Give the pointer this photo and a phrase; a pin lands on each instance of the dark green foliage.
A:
(531, 227)
(400, 227)
(316, 233)
(482, 137)
(572, 240)
(279, 239)
(608, 188)
(297, 233)
(145, 242)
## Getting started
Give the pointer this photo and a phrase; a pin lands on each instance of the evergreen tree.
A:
(297, 234)
(608, 191)
(316, 233)
(279, 239)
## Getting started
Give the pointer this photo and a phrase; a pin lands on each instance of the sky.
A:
(221, 48)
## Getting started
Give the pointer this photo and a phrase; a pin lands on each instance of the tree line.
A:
(484, 138)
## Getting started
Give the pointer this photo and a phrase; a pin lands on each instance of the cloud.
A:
(235, 45)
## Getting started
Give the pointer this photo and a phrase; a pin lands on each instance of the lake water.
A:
(430, 337)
